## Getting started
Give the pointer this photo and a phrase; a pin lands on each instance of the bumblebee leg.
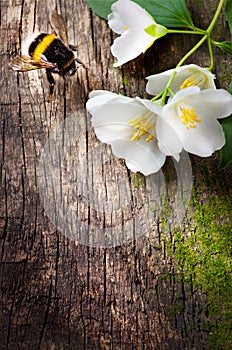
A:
(51, 84)
(73, 47)
(78, 61)
(65, 85)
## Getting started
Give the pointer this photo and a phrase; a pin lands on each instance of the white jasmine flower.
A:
(193, 114)
(129, 126)
(187, 76)
(137, 28)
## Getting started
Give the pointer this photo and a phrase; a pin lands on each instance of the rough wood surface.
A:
(84, 290)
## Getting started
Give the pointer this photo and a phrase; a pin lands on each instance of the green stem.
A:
(200, 42)
(157, 96)
(215, 17)
(206, 36)
(210, 54)
(203, 39)
(198, 32)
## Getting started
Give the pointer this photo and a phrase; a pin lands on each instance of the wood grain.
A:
(85, 290)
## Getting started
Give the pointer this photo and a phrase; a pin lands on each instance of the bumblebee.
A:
(50, 51)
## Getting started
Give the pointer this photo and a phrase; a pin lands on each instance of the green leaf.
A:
(169, 13)
(229, 13)
(230, 89)
(226, 155)
(101, 7)
(225, 46)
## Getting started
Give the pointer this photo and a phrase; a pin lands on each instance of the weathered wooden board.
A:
(88, 284)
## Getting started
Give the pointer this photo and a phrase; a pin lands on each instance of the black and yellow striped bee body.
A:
(53, 50)
(50, 51)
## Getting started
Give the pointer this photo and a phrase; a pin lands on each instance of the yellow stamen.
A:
(125, 28)
(135, 136)
(189, 118)
(149, 138)
(198, 79)
(143, 126)
(189, 82)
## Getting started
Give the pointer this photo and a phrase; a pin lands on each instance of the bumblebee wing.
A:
(59, 27)
(25, 63)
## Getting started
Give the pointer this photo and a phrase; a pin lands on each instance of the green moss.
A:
(224, 74)
(203, 258)
(138, 180)
(125, 81)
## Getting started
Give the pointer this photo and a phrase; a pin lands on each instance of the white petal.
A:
(130, 45)
(168, 140)
(111, 114)
(191, 70)
(111, 121)
(131, 14)
(209, 105)
(158, 82)
(115, 23)
(108, 133)
(95, 93)
(98, 98)
(129, 20)
(204, 140)
(117, 112)
(140, 156)
(152, 106)
(110, 118)
(184, 92)
(212, 103)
